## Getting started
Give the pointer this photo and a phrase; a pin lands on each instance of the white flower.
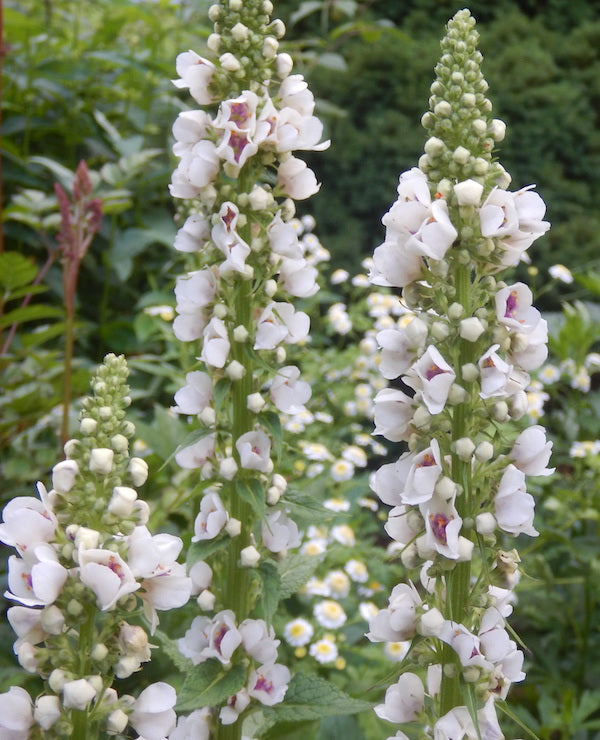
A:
(329, 614)
(254, 449)
(216, 345)
(513, 506)
(196, 726)
(357, 571)
(288, 393)
(296, 179)
(298, 632)
(562, 273)
(37, 579)
(338, 583)
(194, 233)
(211, 518)
(47, 711)
(495, 373)
(342, 470)
(63, 475)
(268, 683)
(403, 700)
(258, 640)
(107, 575)
(343, 534)
(78, 694)
(16, 714)
(195, 395)
(514, 309)
(442, 525)
(196, 74)
(153, 716)
(531, 452)
(196, 454)
(393, 414)
(471, 329)
(279, 532)
(432, 378)
(27, 522)
(324, 651)
(138, 469)
(280, 322)
(397, 622)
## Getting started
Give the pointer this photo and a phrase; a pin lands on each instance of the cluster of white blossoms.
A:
(249, 257)
(85, 561)
(461, 369)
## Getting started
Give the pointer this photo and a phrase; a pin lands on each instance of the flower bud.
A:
(233, 527)
(461, 155)
(470, 372)
(116, 722)
(471, 329)
(87, 426)
(240, 333)
(465, 549)
(119, 443)
(56, 680)
(214, 42)
(53, 620)
(228, 468)
(284, 64)
(464, 448)
(273, 495)
(207, 416)
(99, 652)
(484, 451)
(468, 193)
(255, 403)
(78, 694)
(249, 557)
(206, 600)
(229, 62)
(485, 523)
(101, 460)
(121, 501)
(46, 711)
(409, 556)
(431, 623)
(239, 32)
(455, 311)
(63, 475)
(270, 288)
(235, 370)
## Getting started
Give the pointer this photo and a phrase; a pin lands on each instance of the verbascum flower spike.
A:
(84, 562)
(459, 490)
(238, 179)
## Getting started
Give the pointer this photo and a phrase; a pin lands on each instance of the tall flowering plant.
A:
(237, 179)
(461, 370)
(86, 568)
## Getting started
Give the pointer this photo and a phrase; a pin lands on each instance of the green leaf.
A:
(220, 392)
(203, 548)
(305, 10)
(301, 503)
(64, 175)
(16, 270)
(294, 572)
(30, 313)
(208, 684)
(271, 589)
(310, 697)
(253, 493)
(172, 651)
(272, 422)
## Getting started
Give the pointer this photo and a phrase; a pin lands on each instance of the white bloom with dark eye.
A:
(107, 575)
(27, 522)
(432, 378)
(403, 700)
(288, 392)
(442, 526)
(153, 716)
(422, 473)
(195, 395)
(268, 683)
(254, 449)
(211, 519)
(223, 637)
(514, 308)
(494, 372)
(279, 532)
(38, 579)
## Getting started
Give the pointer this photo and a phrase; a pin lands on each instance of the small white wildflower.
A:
(324, 651)
(298, 632)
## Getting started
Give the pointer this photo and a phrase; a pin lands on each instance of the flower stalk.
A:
(237, 180)
(463, 361)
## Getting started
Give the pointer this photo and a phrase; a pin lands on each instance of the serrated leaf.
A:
(310, 697)
(302, 503)
(253, 493)
(208, 684)
(220, 392)
(172, 651)
(294, 572)
(271, 589)
(64, 175)
(204, 548)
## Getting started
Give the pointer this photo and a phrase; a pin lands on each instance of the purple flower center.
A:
(223, 630)
(239, 113)
(439, 522)
(228, 217)
(238, 142)
(427, 461)
(512, 303)
(263, 684)
(432, 371)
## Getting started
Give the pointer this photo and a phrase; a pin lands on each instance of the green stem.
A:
(237, 593)
(458, 580)
(69, 340)
(81, 730)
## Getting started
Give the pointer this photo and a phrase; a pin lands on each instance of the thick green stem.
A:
(237, 593)
(458, 580)
(81, 729)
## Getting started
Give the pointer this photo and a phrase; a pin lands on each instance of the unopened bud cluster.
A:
(85, 561)
(463, 360)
